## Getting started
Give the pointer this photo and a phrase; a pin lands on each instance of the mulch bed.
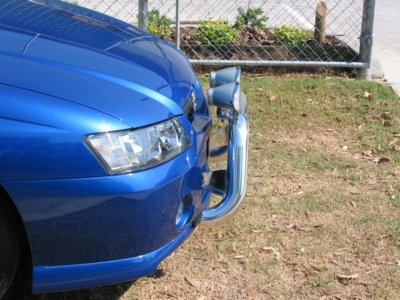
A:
(249, 37)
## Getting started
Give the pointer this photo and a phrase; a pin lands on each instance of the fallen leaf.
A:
(382, 160)
(318, 225)
(170, 279)
(366, 261)
(239, 256)
(304, 115)
(351, 276)
(351, 166)
(259, 89)
(396, 134)
(369, 96)
(395, 263)
(367, 153)
(267, 248)
(354, 204)
(345, 147)
(191, 282)
(393, 142)
(341, 249)
(315, 268)
(168, 294)
(291, 263)
(272, 98)
(334, 262)
(291, 226)
(304, 229)
(278, 255)
(383, 181)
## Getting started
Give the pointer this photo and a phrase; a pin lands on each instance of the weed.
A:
(251, 18)
(74, 2)
(292, 35)
(216, 32)
(158, 24)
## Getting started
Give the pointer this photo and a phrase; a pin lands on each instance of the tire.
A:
(10, 243)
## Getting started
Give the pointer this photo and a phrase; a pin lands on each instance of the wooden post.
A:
(320, 22)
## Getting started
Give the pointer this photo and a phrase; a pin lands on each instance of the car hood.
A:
(81, 56)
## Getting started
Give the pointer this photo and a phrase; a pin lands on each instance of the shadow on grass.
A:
(21, 288)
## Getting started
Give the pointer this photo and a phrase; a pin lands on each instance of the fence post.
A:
(143, 14)
(367, 37)
(177, 25)
(320, 22)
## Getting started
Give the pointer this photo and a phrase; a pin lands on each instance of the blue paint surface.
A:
(67, 72)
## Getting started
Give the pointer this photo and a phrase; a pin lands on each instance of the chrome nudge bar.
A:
(230, 183)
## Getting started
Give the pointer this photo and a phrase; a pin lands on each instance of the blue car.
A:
(105, 142)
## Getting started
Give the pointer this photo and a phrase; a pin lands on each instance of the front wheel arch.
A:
(12, 240)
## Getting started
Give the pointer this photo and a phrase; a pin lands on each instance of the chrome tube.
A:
(219, 145)
(234, 180)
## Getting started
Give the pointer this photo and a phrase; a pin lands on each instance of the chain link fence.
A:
(347, 23)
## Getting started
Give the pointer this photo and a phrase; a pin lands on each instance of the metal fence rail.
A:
(349, 30)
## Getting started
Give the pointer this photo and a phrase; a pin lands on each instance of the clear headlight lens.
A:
(126, 151)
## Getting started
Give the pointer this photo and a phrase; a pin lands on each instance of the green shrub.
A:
(157, 24)
(216, 32)
(292, 35)
(252, 18)
(72, 2)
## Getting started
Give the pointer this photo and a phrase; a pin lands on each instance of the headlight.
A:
(126, 151)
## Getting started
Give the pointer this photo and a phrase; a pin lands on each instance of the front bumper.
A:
(66, 277)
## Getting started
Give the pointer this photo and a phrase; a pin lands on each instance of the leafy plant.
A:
(158, 24)
(292, 35)
(216, 32)
(252, 18)
(74, 2)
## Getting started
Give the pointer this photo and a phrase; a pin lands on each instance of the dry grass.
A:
(322, 214)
